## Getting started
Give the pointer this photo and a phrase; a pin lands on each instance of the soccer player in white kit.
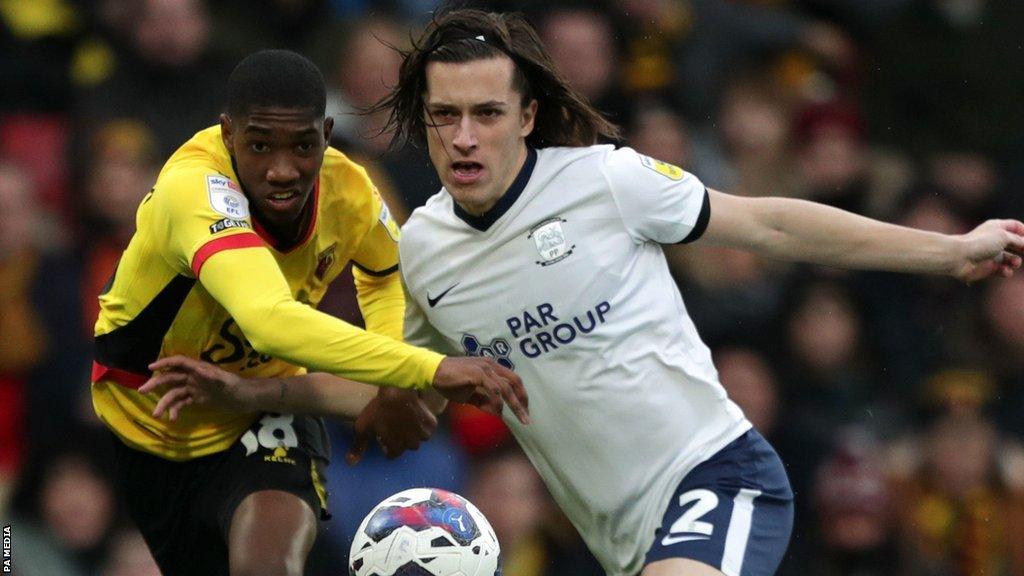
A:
(543, 252)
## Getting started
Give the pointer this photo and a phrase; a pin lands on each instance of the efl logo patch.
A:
(226, 197)
(550, 240)
(227, 224)
(667, 170)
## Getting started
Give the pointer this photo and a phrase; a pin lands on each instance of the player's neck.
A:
(286, 236)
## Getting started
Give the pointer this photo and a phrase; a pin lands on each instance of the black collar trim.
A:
(482, 223)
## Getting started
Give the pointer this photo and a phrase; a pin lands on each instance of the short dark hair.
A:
(564, 118)
(276, 78)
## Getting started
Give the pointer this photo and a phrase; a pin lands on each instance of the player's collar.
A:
(484, 221)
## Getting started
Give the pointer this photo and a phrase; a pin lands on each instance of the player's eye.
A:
(489, 112)
(306, 147)
(259, 147)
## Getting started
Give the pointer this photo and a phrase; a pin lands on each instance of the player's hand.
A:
(482, 382)
(992, 248)
(399, 420)
(185, 381)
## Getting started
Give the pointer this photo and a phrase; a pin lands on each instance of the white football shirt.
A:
(565, 281)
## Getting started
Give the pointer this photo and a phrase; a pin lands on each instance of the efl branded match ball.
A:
(425, 532)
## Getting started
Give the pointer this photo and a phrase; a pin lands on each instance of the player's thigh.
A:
(272, 496)
(679, 567)
(271, 532)
(734, 512)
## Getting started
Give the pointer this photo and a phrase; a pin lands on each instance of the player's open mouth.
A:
(282, 200)
(466, 172)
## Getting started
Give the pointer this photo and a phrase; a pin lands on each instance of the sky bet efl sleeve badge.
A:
(226, 197)
(550, 240)
(667, 170)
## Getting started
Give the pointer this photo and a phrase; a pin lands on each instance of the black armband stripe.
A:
(702, 220)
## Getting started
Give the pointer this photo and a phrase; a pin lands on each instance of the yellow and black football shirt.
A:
(202, 279)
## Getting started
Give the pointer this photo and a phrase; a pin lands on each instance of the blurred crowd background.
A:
(896, 402)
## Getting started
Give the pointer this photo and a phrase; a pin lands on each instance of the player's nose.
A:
(282, 171)
(465, 136)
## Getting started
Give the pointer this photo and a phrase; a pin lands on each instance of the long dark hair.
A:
(564, 118)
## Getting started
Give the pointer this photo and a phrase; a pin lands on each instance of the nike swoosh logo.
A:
(670, 539)
(433, 301)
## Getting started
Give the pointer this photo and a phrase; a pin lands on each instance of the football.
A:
(425, 532)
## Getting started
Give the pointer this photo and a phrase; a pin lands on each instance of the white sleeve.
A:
(657, 201)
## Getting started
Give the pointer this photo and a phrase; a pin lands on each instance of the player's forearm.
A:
(317, 394)
(798, 230)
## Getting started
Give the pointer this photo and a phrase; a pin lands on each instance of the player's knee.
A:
(267, 567)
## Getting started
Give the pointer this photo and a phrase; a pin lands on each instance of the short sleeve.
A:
(657, 201)
(378, 252)
(198, 214)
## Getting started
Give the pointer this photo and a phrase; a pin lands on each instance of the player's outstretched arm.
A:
(798, 230)
(184, 381)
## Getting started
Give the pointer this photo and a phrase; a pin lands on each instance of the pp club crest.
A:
(551, 242)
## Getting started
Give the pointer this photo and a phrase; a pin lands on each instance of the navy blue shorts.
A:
(733, 512)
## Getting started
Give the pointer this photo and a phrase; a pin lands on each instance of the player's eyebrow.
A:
(263, 130)
(489, 104)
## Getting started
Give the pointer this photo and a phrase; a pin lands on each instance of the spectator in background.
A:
(245, 26)
(946, 75)
(65, 501)
(750, 381)
(836, 165)
(855, 529)
(960, 517)
(536, 538)
(1003, 319)
(24, 342)
(122, 169)
(167, 76)
(755, 118)
(582, 43)
(42, 355)
(364, 69)
(941, 316)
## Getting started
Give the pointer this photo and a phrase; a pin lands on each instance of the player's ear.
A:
(225, 131)
(328, 128)
(528, 116)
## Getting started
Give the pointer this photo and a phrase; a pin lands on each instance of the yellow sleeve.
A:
(278, 325)
(381, 301)
(375, 270)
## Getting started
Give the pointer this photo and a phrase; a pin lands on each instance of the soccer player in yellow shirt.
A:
(246, 227)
